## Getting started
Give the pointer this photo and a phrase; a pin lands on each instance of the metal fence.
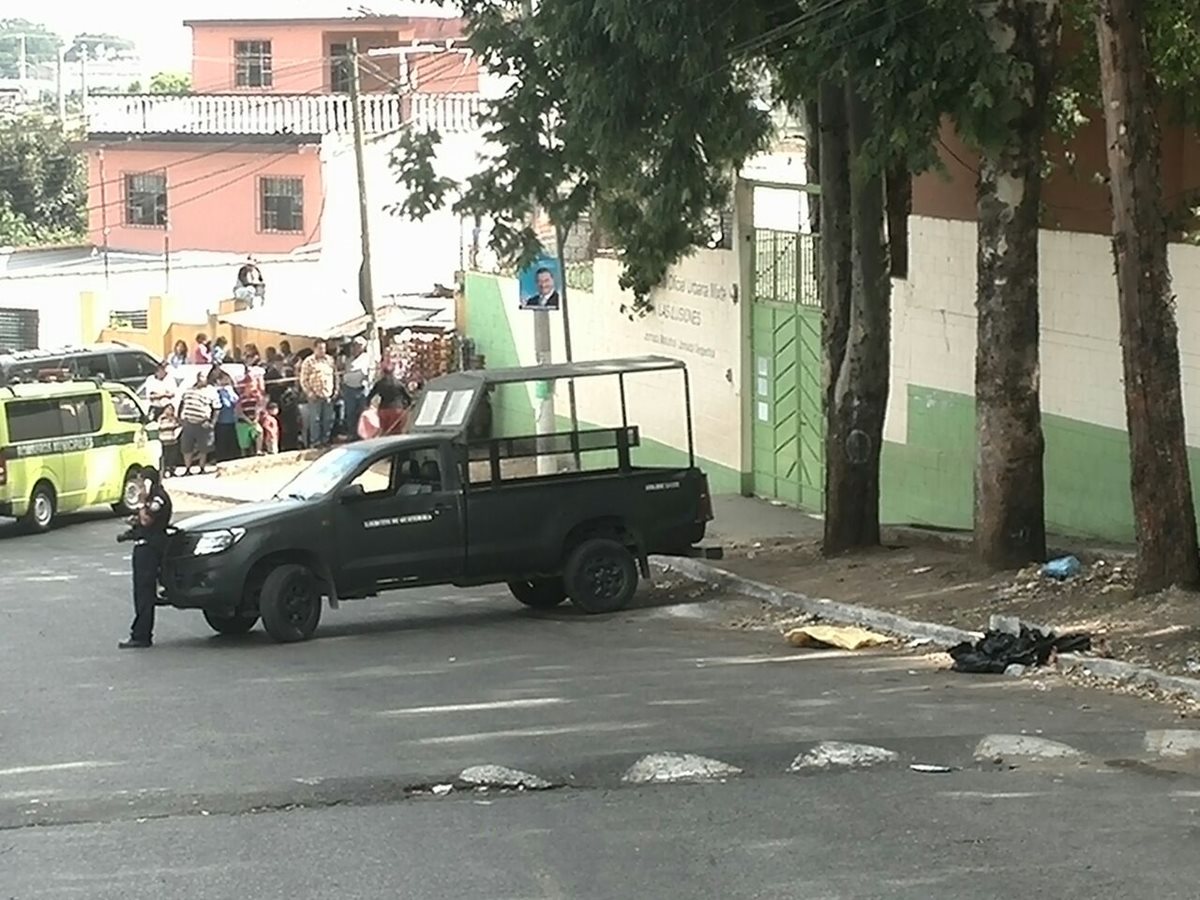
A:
(787, 267)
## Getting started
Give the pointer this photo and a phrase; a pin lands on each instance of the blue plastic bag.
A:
(1062, 568)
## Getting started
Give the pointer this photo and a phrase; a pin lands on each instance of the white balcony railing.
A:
(445, 112)
(266, 114)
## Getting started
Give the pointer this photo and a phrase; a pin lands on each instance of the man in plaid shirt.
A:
(318, 383)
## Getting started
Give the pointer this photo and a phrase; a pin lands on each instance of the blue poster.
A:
(539, 283)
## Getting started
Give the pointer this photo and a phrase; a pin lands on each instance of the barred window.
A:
(146, 199)
(252, 63)
(281, 204)
(340, 68)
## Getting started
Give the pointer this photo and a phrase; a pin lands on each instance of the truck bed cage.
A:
(560, 443)
(442, 408)
(557, 371)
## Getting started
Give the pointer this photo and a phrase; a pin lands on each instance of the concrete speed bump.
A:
(1173, 742)
(504, 778)
(840, 754)
(1023, 746)
(674, 768)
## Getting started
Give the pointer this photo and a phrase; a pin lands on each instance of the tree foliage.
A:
(577, 129)
(43, 185)
(165, 83)
(41, 46)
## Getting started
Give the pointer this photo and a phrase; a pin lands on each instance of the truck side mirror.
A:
(351, 492)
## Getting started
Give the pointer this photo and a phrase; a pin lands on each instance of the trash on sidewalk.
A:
(842, 637)
(1062, 568)
(997, 650)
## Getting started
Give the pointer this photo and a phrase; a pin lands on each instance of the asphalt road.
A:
(215, 767)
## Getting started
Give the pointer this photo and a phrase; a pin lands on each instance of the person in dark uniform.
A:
(148, 531)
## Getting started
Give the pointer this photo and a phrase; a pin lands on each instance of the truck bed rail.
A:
(560, 443)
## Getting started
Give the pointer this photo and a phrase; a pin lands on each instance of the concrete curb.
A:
(826, 609)
(942, 635)
(252, 464)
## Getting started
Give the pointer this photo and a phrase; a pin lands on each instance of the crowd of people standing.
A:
(281, 400)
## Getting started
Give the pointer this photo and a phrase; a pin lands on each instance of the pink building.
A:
(235, 165)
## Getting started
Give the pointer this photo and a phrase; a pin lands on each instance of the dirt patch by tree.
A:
(940, 582)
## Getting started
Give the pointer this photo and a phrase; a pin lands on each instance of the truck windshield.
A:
(323, 475)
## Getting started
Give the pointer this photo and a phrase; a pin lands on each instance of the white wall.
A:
(407, 256)
(934, 323)
(695, 319)
(195, 289)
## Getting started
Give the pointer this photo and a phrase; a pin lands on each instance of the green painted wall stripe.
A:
(513, 413)
(930, 479)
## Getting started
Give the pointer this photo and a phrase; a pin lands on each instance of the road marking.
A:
(529, 703)
(761, 660)
(57, 767)
(991, 795)
(51, 578)
(475, 737)
(674, 768)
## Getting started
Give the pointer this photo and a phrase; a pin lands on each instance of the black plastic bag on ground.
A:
(997, 650)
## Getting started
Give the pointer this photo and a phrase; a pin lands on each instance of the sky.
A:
(157, 28)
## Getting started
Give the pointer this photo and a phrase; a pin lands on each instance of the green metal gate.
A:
(787, 420)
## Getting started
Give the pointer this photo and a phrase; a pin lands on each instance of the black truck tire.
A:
(290, 603)
(236, 623)
(539, 593)
(601, 576)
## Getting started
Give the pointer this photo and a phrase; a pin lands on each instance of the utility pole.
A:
(1163, 513)
(365, 284)
(23, 60)
(60, 87)
(560, 240)
(542, 351)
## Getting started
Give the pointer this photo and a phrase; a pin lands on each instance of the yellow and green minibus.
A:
(68, 446)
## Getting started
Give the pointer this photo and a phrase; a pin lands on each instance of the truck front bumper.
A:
(203, 582)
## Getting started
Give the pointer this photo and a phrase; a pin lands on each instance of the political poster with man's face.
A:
(539, 285)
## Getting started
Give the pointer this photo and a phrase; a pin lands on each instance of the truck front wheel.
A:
(230, 623)
(290, 603)
(601, 576)
(539, 593)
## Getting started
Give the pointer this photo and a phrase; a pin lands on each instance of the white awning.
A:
(287, 319)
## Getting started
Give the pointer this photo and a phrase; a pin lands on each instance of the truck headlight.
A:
(210, 542)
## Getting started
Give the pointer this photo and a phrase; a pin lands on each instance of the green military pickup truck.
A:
(434, 506)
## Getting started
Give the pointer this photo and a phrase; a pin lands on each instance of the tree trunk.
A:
(812, 160)
(899, 207)
(857, 331)
(1010, 523)
(1164, 516)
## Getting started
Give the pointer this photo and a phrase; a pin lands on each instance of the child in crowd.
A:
(168, 433)
(268, 422)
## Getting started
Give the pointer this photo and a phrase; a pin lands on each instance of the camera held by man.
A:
(148, 530)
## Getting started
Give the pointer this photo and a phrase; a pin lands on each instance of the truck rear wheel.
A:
(235, 623)
(539, 593)
(601, 576)
(290, 603)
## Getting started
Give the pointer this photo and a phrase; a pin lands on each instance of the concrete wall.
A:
(212, 196)
(195, 290)
(930, 429)
(408, 256)
(695, 319)
(300, 54)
